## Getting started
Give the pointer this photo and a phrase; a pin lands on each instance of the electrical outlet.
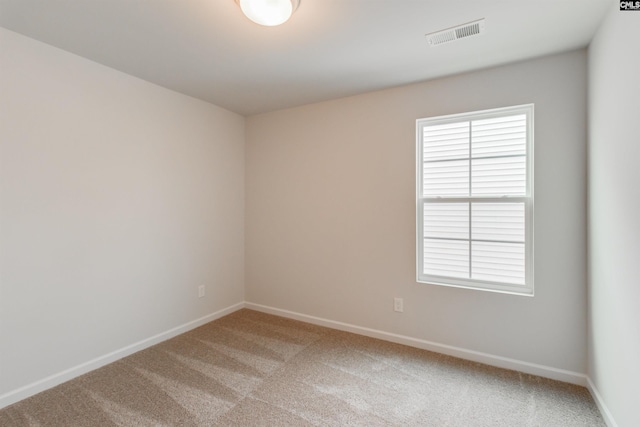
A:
(200, 291)
(398, 305)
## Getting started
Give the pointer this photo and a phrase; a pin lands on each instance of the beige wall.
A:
(118, 198)
(330, 219)
(614, 205)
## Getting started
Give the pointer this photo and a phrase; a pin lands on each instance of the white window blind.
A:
(475, 200)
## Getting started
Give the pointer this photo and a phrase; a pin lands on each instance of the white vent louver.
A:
(452, 34)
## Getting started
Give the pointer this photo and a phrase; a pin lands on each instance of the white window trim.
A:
(528, 288)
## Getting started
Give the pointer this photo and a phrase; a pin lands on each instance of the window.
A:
(475, 200)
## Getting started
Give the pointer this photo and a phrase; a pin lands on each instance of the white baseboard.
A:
(604, 410)
(68, 374)
(475, 356)
(489, 359)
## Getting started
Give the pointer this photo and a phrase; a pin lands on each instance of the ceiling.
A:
(328, 49)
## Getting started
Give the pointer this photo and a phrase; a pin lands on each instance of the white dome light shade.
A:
(268, 12)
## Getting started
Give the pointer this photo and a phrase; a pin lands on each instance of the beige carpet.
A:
(254, 369)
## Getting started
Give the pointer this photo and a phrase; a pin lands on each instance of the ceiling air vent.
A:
(452, 34)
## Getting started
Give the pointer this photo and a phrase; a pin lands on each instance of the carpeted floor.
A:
(254, 369)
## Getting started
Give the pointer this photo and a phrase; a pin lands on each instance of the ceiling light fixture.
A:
(268, 12)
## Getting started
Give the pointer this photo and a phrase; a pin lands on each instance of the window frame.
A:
(528, 199)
